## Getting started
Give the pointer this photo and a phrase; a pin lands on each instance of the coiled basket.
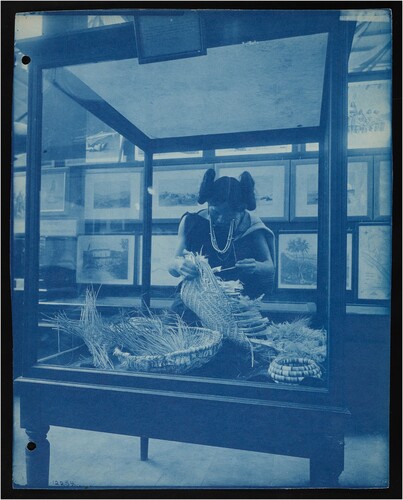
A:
(293, 370)
(205, 344)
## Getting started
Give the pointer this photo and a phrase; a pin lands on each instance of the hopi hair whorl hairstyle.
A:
(206, 190)
(248, 190)
(239, 194)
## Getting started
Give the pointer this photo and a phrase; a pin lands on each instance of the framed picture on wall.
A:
(19, 202)
(139, 155)
(382, 188)
(359, 188)
(112, 194)
(105, 259)
(53, 190)
(175, 191)
(349, 262)
(162, 252)
(304, 189)
(271, 185)
(374, 262)
(297, 260)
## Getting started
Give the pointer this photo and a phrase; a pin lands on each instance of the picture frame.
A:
(369, 114)
(297, 260)
(175, 192)
(139, 155)
(374, 262)
(162, 252)
(382, 188)
(359, 188)
(19, 202)
(280, 149)
(304, 189)
(112, 194)
(349, 262)
(105, 259)
(271, 186)
(58, 227)
(53, 190)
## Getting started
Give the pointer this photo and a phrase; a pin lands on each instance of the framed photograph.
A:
(139, 155)
(359, 188)
(297, 260)
(349, 262)
(382, 188)
(162, 251)
(112, 194)
(176, 191)
(374, 262)
(258, 150)
(19, 202)
(163, 248)
(58, 227)
(105, 259)
(271, 186)
(53, 190)
(304, 189)
(369, 114)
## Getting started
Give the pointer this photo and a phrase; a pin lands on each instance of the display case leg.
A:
(37, 455)
(143, 448)
(327, 463)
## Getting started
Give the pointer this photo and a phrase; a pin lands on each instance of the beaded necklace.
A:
(213, 238)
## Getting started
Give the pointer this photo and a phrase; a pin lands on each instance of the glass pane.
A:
(90, 219)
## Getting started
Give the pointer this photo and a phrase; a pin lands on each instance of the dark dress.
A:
(197, 239)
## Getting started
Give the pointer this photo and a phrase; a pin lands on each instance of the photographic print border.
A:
(132, 212)
(112, 239)
(61, 191)
(283, 236)
(176, 176)
(280, 169)
(352, 160)
(20, 191)
(301, 210)
(382, 191)
(369, 265)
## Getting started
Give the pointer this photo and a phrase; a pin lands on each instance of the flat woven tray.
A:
(206, 344)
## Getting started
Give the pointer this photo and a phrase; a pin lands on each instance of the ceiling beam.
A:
(236, 140)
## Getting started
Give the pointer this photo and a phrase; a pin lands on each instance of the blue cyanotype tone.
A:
(201, 249)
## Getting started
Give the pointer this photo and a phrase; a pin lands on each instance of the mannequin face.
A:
(223, 214)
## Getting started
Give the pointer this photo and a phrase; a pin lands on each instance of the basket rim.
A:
(151, 357)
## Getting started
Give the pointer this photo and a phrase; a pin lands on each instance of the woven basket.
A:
(221, 306)
(206, 344)
(293, 370)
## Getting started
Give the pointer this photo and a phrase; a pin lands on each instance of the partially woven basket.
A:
(205, 345)
(220, 305)
(293, 370)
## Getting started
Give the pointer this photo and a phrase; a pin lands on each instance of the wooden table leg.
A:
(327, 463)
(37, 455)
(143, 448)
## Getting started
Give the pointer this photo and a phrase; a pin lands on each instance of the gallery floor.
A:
(91, 459)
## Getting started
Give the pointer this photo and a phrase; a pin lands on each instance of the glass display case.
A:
(116, 150)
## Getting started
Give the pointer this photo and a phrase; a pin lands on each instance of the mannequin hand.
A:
(248, 266)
